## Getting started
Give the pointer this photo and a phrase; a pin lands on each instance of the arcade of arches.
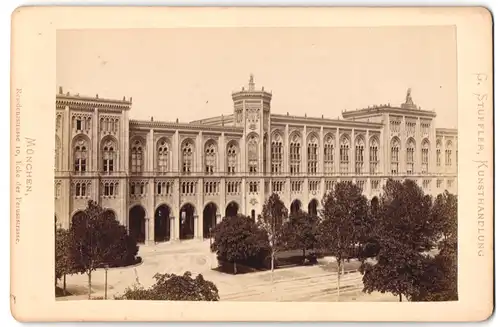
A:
(187, 225)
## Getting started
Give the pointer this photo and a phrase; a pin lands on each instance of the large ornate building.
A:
(171, 180)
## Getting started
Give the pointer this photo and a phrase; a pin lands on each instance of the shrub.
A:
(172, 287)
(238, 240)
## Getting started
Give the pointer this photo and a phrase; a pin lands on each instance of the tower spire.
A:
(251, 84)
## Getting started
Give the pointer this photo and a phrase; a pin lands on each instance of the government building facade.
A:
(171, 180)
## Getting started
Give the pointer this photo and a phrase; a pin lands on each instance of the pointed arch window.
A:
(276, 154)
(448, 150)
(210, 158)
(410, 157)
(329, 154)
(425, 157)
(359, 156)
(395, 156)
(231, 158)
(108, 156)
(80, 154)
(373, 156)
(137, 157)
(295, 155)
(187, 157)
(163, 156)
(344, 155)
(438, 154)
(252, 155)
(312, 155)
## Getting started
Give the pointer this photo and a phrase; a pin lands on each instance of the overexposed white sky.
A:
(190, 73)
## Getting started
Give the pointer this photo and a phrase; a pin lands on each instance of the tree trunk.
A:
(272, 266)
(400, 298)
(343, 268)
(64, 284)
(89, 274)
(235, 270)
(338, 280)
(304, 255)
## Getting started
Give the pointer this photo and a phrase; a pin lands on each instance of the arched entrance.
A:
(162, 223)
(186, 226)
(209, 218)
(110, 213)
(232, 209)
(253, 214)
(77, 215)
(136, 223)
(312, 208)
(295, 207)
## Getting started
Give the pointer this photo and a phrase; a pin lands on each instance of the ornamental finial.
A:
(251, 84)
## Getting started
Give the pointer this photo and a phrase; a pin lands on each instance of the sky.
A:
(190, 73)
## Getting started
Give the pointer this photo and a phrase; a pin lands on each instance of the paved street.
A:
(307, 283)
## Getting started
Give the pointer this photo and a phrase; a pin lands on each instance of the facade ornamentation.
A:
(153, 174)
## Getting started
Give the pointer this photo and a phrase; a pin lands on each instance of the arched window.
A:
(373, 156)
(395, 156)
(253, 156)
(312, 155)
(80, 155)
(137, 157)
(231, 158)
(108, 155)
(57, 154)
(449, 147)
(438, 153)
(210, 158)
(425, 156)
(163, 162)
(187, 157)
(410, 156)
(276, 154)
(359, 156)
(329, 154)
(344, 155)
(295, 154)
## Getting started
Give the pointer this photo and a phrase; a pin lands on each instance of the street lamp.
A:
(106, 267)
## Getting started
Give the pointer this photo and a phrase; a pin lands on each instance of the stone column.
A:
(337, 152)
(171, 223)
(146, 230)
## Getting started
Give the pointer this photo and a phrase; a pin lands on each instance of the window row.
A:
(84, 189)
(109, 154)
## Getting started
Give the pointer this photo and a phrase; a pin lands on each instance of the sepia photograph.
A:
(251, 164)
(224, 173)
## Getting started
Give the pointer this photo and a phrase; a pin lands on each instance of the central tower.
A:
(252, 112)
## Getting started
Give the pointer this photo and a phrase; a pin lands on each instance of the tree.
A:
(172, 287)
(344, 210)
(368, 237)
(63, 260)
(405, 232)
(301, 232)
(444, 214)
(440, 280)
(274, 214)
(98, 239)
(238, 240)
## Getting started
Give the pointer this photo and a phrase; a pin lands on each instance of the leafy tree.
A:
(172, 287)
(440, 282)
(368, 237)
(63, 261)
(98, 239)
(444, 214)
(274, 214)
(301, 232)
(238, 240)
(405, 232)
(344, 210)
